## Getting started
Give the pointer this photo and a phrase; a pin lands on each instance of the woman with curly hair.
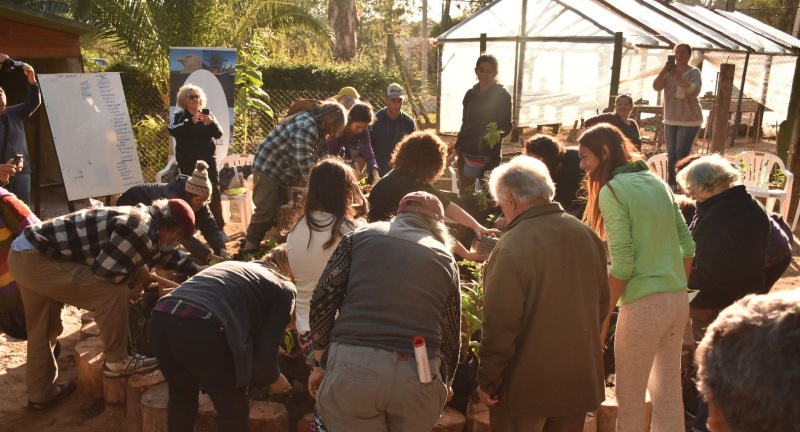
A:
(195, 131)
(417, 160)
(651, 258)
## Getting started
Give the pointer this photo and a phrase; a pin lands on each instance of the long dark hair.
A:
(332, 188)
(613, 149)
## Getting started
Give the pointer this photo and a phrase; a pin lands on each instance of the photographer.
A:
(12, 131)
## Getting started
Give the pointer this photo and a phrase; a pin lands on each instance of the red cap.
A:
(424, 203)
(183, 216)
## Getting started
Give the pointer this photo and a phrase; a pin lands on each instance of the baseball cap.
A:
(394, 91)
(423, 203)
(347, 91)
(183, 216)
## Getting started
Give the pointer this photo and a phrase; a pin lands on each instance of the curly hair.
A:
(183, 95)
(546, 148)
(421, 155)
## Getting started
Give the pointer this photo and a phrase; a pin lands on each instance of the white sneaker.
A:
(134, 364)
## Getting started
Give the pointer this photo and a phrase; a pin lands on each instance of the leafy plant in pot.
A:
(472, 290)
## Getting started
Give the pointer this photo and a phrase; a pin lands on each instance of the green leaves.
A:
(493, 135)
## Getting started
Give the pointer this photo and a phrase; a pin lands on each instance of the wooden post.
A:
(616, 67)
(722, 108)
(483, 43)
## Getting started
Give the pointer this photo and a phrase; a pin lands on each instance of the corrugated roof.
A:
(646, 23)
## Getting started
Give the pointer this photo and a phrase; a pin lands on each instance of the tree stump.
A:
(477, 416)
(264, 416)
(89, 330)
(607, 414)
(305, 422)
(88, 367)
(590, 425)
(450, 421)
(137, 386)
(154, 408)
(89, 371)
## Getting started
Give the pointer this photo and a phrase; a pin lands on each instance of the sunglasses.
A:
(194, 96)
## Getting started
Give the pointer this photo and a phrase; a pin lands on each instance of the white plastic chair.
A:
(244, 200)
(755, 168)
(660, 165)
(160, 175)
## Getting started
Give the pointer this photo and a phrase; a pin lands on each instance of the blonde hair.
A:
(183, 95)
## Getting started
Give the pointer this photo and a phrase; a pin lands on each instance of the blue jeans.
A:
(679, 141)
(20, 185)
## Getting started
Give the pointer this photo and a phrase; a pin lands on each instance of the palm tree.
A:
(146, 29)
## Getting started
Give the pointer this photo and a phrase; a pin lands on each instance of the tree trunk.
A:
(344, 22)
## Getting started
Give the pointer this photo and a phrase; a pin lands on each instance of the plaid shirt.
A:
(113, 241)
(289, 151)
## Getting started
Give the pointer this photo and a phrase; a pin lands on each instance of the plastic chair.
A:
(755, 168)
(244, 200)
(660, 165)
(160, 175)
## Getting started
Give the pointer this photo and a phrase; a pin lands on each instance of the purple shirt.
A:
(342, 147)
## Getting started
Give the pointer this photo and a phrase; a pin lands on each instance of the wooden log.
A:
(607, 414)
(88, 367)
(477, 416)
(154, 408)
(89, 371)
(89, 330)
(450, 421)
(305, 422)
(264, 416)
(590, 425)
(137, 386)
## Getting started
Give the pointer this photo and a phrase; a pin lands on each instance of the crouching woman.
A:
(213, 332)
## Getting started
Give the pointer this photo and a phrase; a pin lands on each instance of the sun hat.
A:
(347, 91)
(183, 216)
(198, 183)
(423, 203)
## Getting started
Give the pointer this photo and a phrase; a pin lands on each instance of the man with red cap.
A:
(364, 319)
(89, 259)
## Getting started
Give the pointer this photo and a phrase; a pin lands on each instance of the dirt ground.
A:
(78, 414)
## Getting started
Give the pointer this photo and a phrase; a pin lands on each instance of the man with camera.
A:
(13, 146)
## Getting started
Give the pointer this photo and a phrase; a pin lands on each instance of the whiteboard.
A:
(92, 133)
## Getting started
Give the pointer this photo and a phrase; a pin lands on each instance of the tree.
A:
(146, 29)
(343, 19)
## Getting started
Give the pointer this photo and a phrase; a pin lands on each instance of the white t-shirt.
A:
(308, 259)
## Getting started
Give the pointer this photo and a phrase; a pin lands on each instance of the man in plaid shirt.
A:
(284, 159)
(89, 259)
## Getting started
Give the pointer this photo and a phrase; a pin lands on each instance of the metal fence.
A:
(149, 118)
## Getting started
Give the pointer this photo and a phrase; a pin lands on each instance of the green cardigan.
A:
(647, 236)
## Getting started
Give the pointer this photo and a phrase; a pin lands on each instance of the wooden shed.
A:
(51, 44)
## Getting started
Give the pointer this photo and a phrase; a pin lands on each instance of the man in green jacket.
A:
(546, 299)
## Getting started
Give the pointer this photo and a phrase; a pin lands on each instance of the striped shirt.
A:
(289, 151)
(113, 241)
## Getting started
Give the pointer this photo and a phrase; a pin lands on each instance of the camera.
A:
(10, 64)
(205, 111)
(17, 159)
(671, 60)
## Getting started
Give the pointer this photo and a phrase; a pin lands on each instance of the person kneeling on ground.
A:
(90, 259)
(196, 191)
(213, 332)
(747, 365)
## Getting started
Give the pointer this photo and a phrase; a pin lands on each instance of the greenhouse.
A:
(557, 57)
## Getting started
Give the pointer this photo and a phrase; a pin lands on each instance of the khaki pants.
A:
(267, 197)
(46, 284)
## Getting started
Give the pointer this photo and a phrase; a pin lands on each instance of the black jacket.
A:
(149, 192)
(730, 231)
(194, 142)
(480, 109)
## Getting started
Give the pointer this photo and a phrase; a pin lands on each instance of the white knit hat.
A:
(199, 184)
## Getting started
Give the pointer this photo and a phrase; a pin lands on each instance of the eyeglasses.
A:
(194, 96)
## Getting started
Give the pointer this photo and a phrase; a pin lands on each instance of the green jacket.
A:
(647, 236)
